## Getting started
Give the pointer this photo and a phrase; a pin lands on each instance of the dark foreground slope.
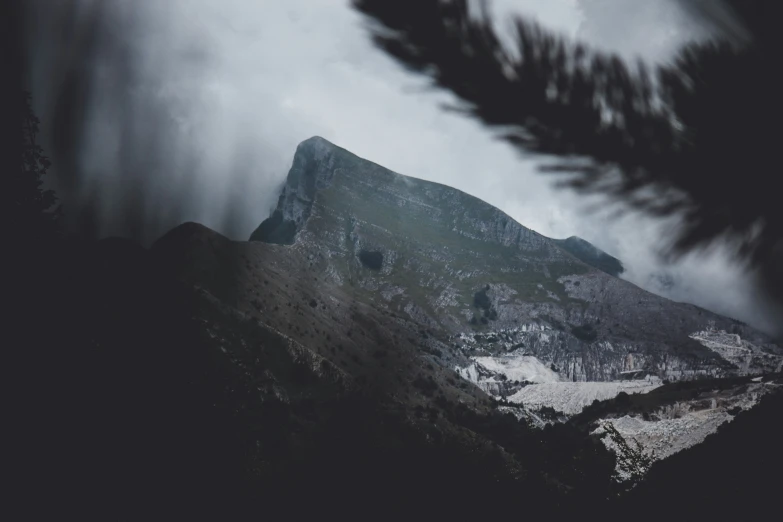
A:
(140, 395)
(439, 435)
(145, 394)
(116, 390)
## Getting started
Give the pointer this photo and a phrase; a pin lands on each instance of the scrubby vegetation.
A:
(632, 462)
(481, 299)
(275, 229)
(371, 259)
(589, 254)
(647, 403)
(426, 384)
(585, 332)
(549, 413)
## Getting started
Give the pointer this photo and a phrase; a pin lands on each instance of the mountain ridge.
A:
(302, 183)
(439, 249)
(279, 229)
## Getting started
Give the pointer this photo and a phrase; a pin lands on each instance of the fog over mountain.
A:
(156, 113)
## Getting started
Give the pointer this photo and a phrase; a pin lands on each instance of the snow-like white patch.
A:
(679, 426)
(572, 397)
(500, 375)
(389, 292)
(519, 368)
(663, 438)
(728, 345)
(532, 327)
(748, 357)
(469, 373)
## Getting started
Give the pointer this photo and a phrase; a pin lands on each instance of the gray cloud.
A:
(191, 110)
(652, 31)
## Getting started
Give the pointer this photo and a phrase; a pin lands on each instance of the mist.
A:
(156, 113)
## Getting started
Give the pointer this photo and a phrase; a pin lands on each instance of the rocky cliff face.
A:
(486, 285)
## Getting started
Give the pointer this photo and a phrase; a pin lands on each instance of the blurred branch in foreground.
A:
(690, 139)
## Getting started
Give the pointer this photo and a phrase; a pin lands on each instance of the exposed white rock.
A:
(663, 438)
(447, 297)
(572, 397)
(748, 357)
(391, 291)
(679, 426)
(518, 368)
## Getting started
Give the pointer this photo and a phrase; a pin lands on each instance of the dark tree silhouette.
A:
(34, 214)
(691, 139)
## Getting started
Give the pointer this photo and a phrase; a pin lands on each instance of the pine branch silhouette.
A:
(689, 139)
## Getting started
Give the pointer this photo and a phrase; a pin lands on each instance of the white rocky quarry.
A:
(509, 371)
(749, 358)
(502, 365)
(684, 424)
(572, 397)
(541, 386)
(504, 368)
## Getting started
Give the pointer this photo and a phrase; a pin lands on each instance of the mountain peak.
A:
(315, 140)
(312, 168)
(355, 190)
(457, 265)
(315, 143)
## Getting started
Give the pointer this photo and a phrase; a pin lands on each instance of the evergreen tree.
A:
(35, 215)
(632, 462)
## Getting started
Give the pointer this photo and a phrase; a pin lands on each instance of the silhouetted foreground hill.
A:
(132, 406)
(144, 398)
(119, 400)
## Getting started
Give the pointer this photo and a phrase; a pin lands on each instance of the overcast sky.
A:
(219, 93)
